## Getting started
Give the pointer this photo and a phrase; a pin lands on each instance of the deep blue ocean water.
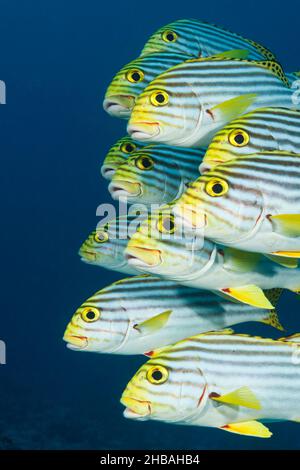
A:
(56, 60)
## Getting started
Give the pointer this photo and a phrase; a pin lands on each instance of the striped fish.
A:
(222, 380)
(139, 314)
(189, 103)
(200, 39)
(162, 246)
(156, 174)
(265, 129)
(118, 154)
(131, 80)
(251, 203)
(105, 246)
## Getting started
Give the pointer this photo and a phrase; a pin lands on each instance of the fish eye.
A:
(157, 375)
(90, 314)
(159, 98)
(101, 236)
(216, 187)
(144, 162)
(127, 147)
(166, 224)
(135, 75)
(238, 138)
(169, 36)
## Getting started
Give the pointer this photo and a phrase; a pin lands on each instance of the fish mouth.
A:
(124, 189)
(143, 130)
(135, 409)
(75, 342)
(119, 105)
(107, 172)
(204, 167)
(142, 257)
(87, 256)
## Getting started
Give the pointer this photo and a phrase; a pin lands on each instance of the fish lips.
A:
(124, 189)
(75, 342)
(143, 257)
(135, 409)
(107, 172)
(119, 105)
(143, 130)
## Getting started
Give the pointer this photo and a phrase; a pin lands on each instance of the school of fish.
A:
(209, 172)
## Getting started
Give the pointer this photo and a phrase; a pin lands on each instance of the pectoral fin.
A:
(232, 108)
(286, 224)
(291, 263)
(154, 324)
(232, 54)
(251, 294)
(240, 397)
(249, 428)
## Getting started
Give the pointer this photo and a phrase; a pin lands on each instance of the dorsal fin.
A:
(263, 50)
(275, 68)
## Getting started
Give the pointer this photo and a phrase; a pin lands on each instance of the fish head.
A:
(131, 80)
(117, 155)
(149, 176)
(105, 246)
(162, 246)
(174, 37)
(248, 134)
(166, 388)
(222, 205)
(168, 111)
(99, 325)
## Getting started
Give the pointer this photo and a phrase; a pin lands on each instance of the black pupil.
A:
(160, 98)
(170, 37)
(157, 375)
(146, 163)
(90, 315)
(101, 236)
(168, 224)
(217, 188)
(239, 138)
(136, 76)
(129, 148)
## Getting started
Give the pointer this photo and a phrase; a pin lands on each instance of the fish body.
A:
(200, 39)
(157, 174)
(256, 206)
(189, 103)
(131, 80)
(105, 246)
(262, 130)
(118, 154)
(221, 380)
(163, 247)
(142, 313)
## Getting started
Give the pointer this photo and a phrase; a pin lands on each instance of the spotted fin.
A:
(291, 263)
(241, 397)
(249, 428)
(276, 69)
(251, 294)
(291, 339)
(286, 224)
(232, 108)
(273, 320)
(154, 324)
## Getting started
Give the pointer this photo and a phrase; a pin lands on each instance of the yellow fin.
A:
(288, 254)
(251, 294)
(249, 428)
(153, 324)
(263, 50)
(232, 108)
(231, 54)
(240, 397)
(273, 320)
(286, 224)
(276, 69)
(291, 263)
(291, 339)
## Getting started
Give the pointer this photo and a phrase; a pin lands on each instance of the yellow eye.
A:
(216, 187)
(159, 98)
(135, 75)
(90, 314)
(166, 224)
(157, 375)
(238, 138)
(169, 36)
(144, 163)
(101, 236)
(128, 147)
